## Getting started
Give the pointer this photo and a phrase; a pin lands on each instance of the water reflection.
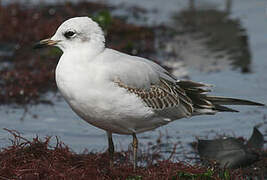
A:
(219, 32)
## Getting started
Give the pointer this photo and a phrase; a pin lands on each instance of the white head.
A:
(76, 33)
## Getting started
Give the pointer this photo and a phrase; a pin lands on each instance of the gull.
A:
(120, 93)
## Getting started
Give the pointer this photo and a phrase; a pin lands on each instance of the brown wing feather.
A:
(160, 96)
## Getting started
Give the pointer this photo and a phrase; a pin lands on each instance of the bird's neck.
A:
(85, 51)
(96, 44)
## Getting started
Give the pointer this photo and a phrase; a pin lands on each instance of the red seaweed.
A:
(37, 159)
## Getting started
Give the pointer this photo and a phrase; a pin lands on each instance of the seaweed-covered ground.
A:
(37, 159)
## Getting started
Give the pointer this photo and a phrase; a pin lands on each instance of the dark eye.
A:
(69, 34)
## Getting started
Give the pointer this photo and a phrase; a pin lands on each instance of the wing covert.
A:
(161, 96)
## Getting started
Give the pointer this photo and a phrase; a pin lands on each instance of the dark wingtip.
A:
(232, 101)
(259, 104)
(253, 103)
(224, 108)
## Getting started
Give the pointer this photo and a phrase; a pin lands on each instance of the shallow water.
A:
(59, 120)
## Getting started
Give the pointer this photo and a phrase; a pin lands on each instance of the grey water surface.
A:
(196, 57)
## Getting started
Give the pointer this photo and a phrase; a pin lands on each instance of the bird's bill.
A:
(45, 43)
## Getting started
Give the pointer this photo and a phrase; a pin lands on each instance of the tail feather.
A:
(207, 104)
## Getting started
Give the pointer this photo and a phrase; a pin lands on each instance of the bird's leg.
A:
(135, 147)
(110, 148)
